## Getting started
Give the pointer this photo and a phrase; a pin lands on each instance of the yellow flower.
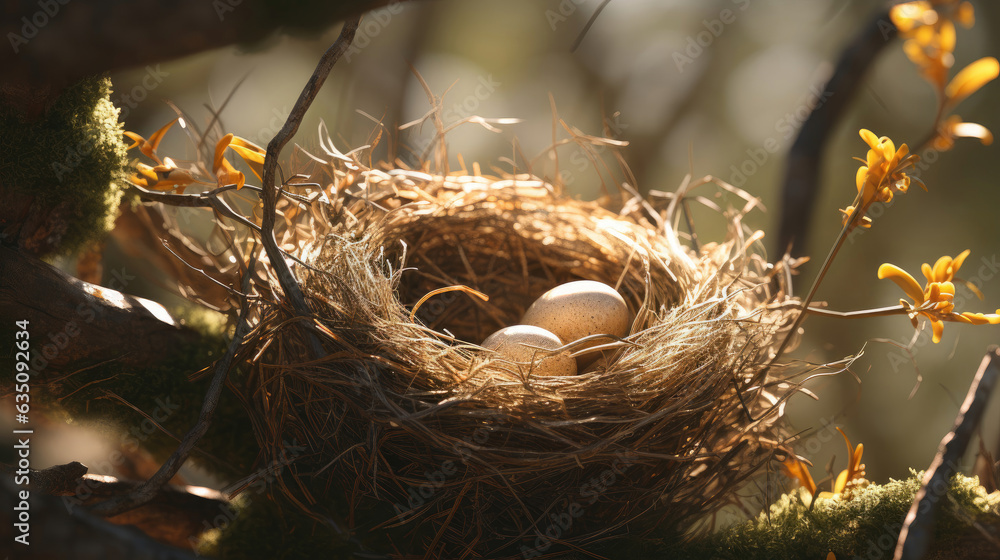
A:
(794, 468)
(935, 300)
(163, 177)
(148, 147)
(853, 477)
(929, 28)
(251, 153)
(971, 78)
(882, 175)
(953, 128)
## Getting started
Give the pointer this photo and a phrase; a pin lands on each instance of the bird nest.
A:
(410, 427)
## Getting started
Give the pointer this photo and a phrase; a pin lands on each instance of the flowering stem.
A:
(815, 286)
(863, 314)
(926, 142)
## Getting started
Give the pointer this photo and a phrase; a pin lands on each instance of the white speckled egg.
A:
(574, 310)
(515, 344)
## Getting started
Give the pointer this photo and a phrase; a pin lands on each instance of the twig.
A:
(590, 23)
(150, 488)
(862, 314)
(269, 199)
(804, 158)
(918, 525)
(209, 199)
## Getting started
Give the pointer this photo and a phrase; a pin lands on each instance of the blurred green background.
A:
(712, 109)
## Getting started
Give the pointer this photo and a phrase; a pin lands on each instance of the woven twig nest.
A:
(413, 427)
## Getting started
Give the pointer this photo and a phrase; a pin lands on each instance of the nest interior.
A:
(415, 429)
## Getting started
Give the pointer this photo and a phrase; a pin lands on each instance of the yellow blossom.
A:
(882, 175)
(853, 477)
(935, 300)
(953, 128)
(929, 30)
(971, 78)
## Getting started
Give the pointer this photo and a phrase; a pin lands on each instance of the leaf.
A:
(971, 78)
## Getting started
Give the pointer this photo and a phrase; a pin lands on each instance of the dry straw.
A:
(414, 428)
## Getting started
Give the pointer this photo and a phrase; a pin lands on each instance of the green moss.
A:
(71, 158)
(866, 526)
(165, 391)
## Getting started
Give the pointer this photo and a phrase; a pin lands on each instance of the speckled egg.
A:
(574, 310)
(518, 344)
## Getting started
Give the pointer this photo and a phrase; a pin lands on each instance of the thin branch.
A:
(146, 491)
(590, 23)
(863, 314)
(208, 199)
(917, 530)
(278, 264)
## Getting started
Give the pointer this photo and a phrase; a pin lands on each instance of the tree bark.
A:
(53, 44)
(74, 324)
(61, 529)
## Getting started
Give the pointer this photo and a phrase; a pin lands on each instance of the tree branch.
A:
(288, 283)
(75, 324)
(149, 489)
(87, 37)
(918, 525)
(57, 532)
